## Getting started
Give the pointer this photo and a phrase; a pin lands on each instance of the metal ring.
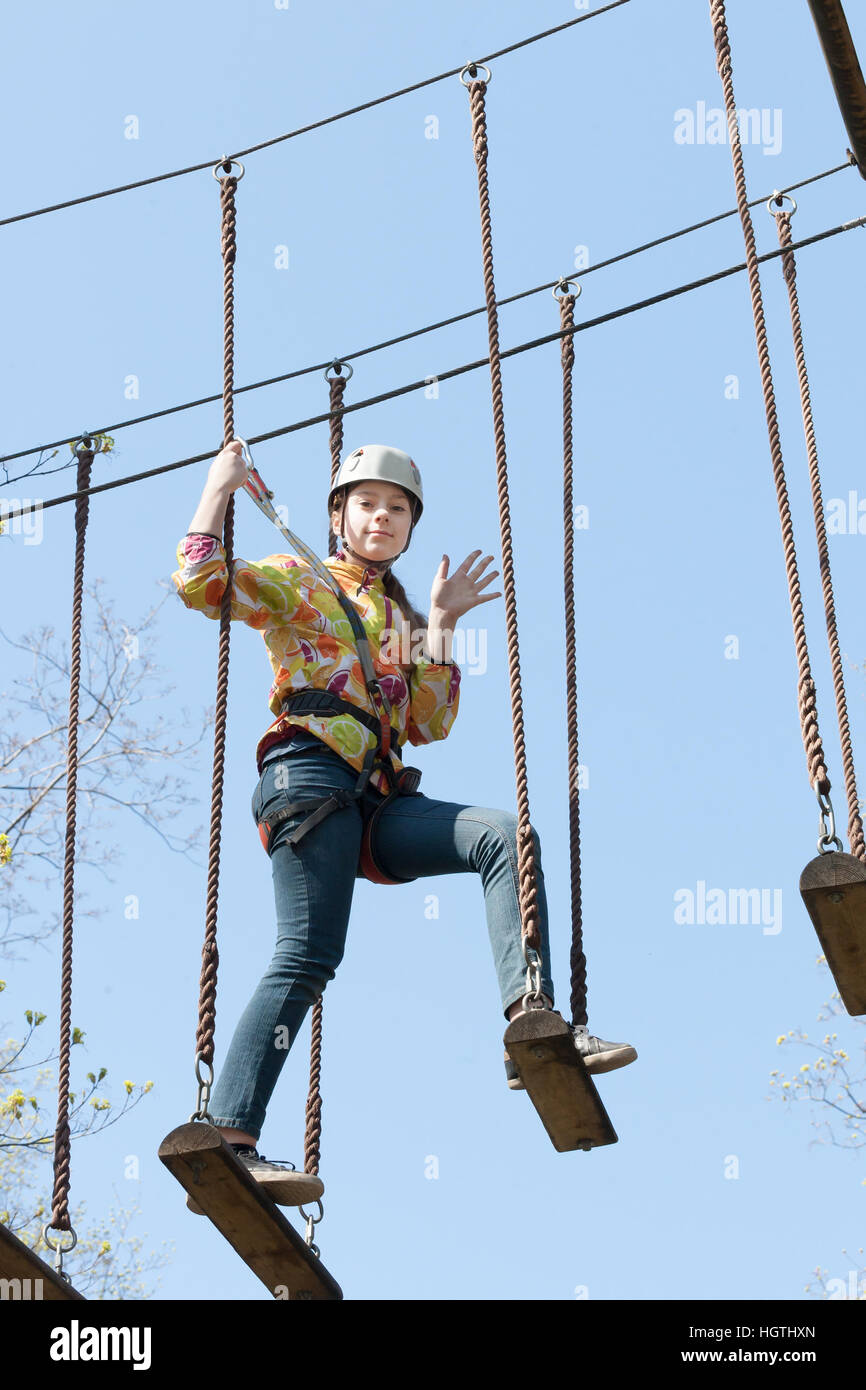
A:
(476, 66)
(564, 282)
(220, 165)
(198, 1075)
(826, 840)
(64, 1249)
(338, 362)
(777, 198)
(315, 1219)
(531, 1001)
(86, 450)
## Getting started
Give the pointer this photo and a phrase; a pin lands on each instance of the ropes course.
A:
(548, 1057)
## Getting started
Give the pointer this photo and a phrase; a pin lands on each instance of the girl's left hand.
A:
(455, 596)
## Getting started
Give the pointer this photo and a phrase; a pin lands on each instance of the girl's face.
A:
(376, 520)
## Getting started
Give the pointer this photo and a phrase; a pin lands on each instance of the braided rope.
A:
(313, 1118)
(210, 954)
(526, 867)
(62, 1145)
(818, 776)
(789, 270)
(577, 959)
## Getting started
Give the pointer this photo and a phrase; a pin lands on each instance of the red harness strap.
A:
(404, 782)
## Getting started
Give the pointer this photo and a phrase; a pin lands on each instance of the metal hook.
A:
(248, 458)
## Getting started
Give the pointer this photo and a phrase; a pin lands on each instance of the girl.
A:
(323, 751)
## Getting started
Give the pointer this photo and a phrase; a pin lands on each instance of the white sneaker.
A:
(282, 1183)
(598, 1056)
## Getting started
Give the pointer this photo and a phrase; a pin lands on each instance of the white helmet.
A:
(380, 463)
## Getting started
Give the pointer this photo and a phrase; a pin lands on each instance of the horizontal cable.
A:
(314, 125)
(401, 338)
(443, 376)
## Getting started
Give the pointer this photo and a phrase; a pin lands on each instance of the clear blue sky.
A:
(696, 766)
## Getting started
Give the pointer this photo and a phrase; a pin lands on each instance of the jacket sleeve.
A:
(264, 594)
(434, 697)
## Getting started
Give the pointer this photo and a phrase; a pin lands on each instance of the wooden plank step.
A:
(833, 887)
(29, 1277)
(541, 1045)
(204, 1164)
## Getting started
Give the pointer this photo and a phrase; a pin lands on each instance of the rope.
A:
(316, 125)
(414, 332)
(62, 1156)
(789, 268)
(806, 687)
(337, 386)
(210, 954)
(526, 867)
(313, 1122)
(577, 958)
(313, 1129)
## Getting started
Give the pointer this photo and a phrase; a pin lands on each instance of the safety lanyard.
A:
(262, 496)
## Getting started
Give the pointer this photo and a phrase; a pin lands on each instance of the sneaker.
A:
(601, 1056)
(280, 1181)
(598, 1056)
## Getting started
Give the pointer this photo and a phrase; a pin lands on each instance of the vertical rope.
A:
(818, 776)
(62, 1155)
(210, 955)
(313, 1121)
(526, 867)
(789, 270)
(337, 385)
(313, 1118)
(577, 957)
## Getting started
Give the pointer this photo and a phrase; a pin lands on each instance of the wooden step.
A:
(833, 887)
(204, 1164)
(541, 1045)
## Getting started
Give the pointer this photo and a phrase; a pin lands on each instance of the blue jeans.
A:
(313, 887)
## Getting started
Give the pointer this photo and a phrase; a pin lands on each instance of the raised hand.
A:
(454, 596)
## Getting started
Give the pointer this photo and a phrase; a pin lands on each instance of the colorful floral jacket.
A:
(310, 645)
